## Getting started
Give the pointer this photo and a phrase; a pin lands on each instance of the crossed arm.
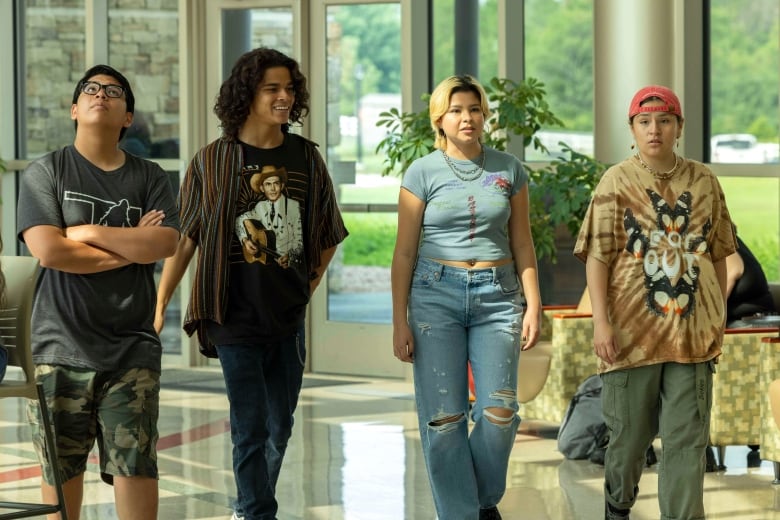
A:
(92, 248)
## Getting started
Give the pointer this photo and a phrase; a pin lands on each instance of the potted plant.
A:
(560, 190)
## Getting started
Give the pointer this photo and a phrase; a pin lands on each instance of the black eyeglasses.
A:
(93, 87)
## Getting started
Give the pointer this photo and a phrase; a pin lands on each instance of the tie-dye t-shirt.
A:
(659, 239)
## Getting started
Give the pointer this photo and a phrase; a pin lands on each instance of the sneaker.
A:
(650, 457)
(710, 465)
(612, 513)
(491, 513)
(236, 517)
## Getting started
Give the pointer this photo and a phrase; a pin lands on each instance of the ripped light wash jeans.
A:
(458, 316)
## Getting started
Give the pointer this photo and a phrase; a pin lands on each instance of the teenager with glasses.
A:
(98, 219)
(93, 87)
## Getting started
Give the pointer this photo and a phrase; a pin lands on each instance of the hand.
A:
(403, 343)
(604, 342)
(250, 247)
(79, 233)
(159, 319)
(154, 217)
(531, 331)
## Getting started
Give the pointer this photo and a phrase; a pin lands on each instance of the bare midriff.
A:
(474, 264)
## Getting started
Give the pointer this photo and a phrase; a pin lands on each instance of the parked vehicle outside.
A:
(742, 149)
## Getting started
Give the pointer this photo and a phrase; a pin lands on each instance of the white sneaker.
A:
(236, 517)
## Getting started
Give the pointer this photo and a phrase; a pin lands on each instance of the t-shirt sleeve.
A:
(39, 202)
(161, 197)
(520, 176)
(331, 229)
(190, 196)
(723, 241)
(414, 180)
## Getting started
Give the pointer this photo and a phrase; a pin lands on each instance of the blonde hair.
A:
(440, 102)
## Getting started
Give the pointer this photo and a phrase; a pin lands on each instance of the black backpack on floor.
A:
(583, 433)
(583, 429)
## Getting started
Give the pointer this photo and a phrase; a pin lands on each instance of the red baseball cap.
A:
(672, 104)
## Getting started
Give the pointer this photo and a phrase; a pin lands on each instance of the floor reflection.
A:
(355, 454)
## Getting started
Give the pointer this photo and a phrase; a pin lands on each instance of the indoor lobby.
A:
(355, 453)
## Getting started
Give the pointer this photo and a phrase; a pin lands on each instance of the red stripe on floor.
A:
(195, 434)
(164, 443)
(20, 474)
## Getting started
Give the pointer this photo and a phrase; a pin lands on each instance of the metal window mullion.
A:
(96, 32)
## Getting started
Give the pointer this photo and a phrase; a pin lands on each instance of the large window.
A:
(144, 46)
(364, 79)
(745, 77)
(444, 13)
(54, 54)
(559, 52)
(745, 83)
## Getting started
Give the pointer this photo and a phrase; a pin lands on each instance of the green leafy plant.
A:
(560, 194)
(560, 190)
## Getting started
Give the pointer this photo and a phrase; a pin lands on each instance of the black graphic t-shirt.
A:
(268, 288)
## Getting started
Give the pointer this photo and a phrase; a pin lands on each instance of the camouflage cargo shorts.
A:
(117, 409)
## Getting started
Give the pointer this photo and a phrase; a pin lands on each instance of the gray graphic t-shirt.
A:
(100, 321)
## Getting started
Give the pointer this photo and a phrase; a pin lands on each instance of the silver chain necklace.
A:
(466, 175)
(660, 175)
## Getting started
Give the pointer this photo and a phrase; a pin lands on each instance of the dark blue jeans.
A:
(263, 382)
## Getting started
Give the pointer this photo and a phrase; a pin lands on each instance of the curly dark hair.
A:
(238, 91)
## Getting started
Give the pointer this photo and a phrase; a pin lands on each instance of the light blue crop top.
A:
(465, 220)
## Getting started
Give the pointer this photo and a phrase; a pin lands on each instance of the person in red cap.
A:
(654, 241)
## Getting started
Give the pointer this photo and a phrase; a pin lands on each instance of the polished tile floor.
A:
(355, 455)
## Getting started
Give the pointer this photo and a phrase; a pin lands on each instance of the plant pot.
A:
(563, 282)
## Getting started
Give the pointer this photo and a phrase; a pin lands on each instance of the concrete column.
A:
(634, 46)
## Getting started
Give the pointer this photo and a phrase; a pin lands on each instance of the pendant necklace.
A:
(466, 175)
(660, 175)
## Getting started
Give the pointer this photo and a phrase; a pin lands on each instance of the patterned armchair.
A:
(736, 397)
(735, 412)
(571, 361)
(769, 363)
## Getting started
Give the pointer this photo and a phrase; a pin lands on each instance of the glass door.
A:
(237, 26)
(356, 48)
